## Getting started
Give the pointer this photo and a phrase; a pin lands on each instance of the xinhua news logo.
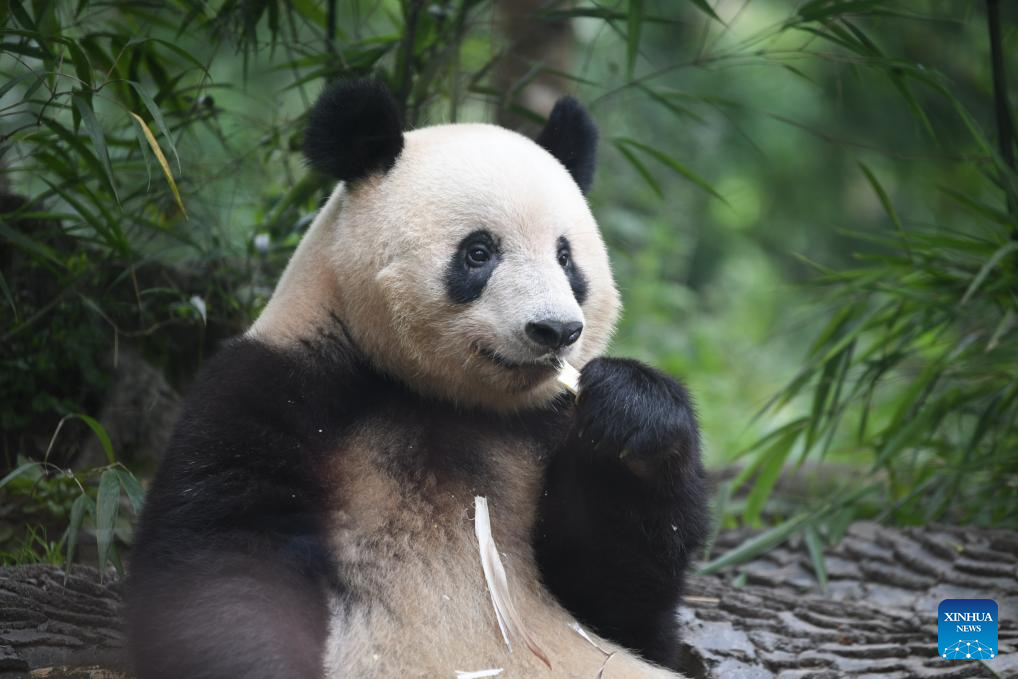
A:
(967, 629)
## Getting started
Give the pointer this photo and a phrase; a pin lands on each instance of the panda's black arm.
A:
(228, 614)
(625, 507)
(229, 577)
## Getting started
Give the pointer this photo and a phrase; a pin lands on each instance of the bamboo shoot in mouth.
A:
(569, 377)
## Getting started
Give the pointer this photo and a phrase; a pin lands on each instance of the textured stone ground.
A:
(877, 619)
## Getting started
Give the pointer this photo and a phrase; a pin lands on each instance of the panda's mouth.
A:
(501, 361)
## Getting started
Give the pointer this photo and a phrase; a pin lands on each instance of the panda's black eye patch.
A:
(577, 281)
(475, 259)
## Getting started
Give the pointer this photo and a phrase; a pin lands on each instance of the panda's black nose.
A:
(554, 334)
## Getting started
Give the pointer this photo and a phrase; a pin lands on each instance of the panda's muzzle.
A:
(548, 340)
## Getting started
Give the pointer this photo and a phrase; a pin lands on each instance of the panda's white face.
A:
(472, 266)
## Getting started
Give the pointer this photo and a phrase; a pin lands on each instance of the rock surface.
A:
(878, 617)
(766, 618)
(57, 624)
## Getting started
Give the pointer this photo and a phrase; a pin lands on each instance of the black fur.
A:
(625, 507)
(577, 281)
(230, 571)
(464, 282)
(571, 136)
(231, 534)
(353, 130)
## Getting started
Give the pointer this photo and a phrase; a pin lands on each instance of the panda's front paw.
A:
(629, 411)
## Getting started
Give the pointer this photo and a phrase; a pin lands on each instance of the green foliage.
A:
(133, 135)
(88, 501)
(919, 362)
(912, 377)
(33, 547)
(145, 147)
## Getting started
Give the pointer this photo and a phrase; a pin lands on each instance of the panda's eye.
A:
(563, 258)
(478, 255)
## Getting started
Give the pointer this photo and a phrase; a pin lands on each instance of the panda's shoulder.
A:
(255, 428)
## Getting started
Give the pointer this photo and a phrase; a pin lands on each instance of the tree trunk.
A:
(57, 624)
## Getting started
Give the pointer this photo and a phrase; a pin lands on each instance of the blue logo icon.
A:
(967, 629)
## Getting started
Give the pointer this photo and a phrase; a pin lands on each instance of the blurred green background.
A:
(810, 207)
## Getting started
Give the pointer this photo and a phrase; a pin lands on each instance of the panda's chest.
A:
(401, 532)
(402, 497)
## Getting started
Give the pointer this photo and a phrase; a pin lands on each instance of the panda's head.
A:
(467, 261)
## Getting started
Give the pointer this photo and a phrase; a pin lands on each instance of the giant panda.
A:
(314, 513)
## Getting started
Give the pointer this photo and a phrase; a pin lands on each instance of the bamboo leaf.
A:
(773, 461)
(674, 165)
(816, 555)
(914, 431)
(913, 104)
(755, 546)
(21, 16)
(752, 467)
(107, 503)
(22, 241)
(101, 434)
(112, 236)
(718, 512)
(775, 536)
(603, 13)
(641, 169)
(820, 393)
(1006, 323)
(705, 7)
(18, 471)
(835, 410)
(825, 9)
(22, 49)
(980, 208)
(82, 67)
(177, 49)
(299, 194)
(162, 162)
(1002, 252)
(833, 327)
(75, 142)
(135, 493)
(10, 84)
(95, 132)
(145, 151)
(157, 116)
(862, 38)
(885, 200)
(81, 506)
(634, 27)
(679, 111)
(985, 145)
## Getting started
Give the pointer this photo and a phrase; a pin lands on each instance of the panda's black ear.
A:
(353, 130)
(571, 136)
